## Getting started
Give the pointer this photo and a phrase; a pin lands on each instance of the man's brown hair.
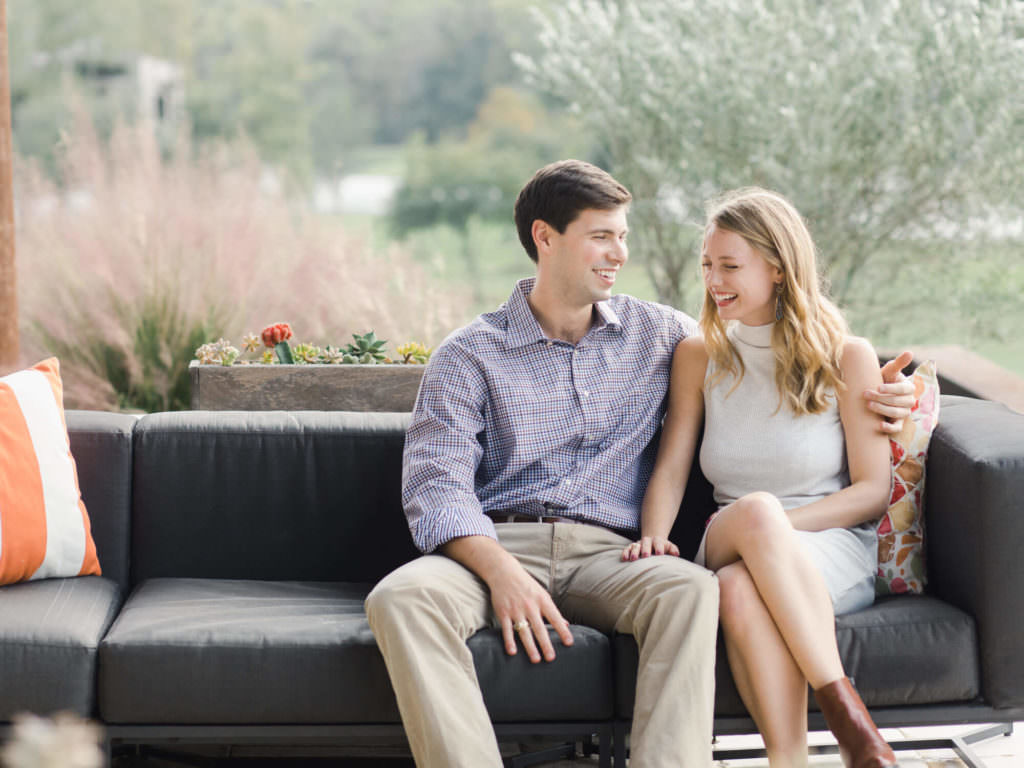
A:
(559, 192)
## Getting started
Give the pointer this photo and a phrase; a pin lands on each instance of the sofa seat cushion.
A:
(204, 651)
(50, 631)
(903, 650)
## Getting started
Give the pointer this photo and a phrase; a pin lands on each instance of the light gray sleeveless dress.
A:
(750, 444)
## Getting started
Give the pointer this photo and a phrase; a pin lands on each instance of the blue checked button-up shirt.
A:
(510, 422)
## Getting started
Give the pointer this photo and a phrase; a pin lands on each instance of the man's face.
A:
(585, 260)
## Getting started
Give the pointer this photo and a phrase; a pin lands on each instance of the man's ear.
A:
(542, 234)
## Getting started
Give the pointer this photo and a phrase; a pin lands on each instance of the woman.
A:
(800, 472)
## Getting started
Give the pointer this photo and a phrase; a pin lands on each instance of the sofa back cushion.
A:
(312, 496)
(102, 446)
(697, 506)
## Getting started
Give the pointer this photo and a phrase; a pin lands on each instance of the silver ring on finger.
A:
(520, 625)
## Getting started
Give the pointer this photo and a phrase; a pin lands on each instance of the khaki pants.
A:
(423, 613)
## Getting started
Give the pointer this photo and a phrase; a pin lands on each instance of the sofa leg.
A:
(962, 744)
(604, 745)
(619, 744)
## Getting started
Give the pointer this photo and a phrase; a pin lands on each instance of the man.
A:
(524, 469)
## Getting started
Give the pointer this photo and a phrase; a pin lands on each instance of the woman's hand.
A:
(649, 545)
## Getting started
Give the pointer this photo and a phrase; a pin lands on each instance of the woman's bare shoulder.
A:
(857, 354)
(690, 361)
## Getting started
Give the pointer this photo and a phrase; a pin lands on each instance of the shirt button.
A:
(550, 342)
(567, 482)
(585, 393)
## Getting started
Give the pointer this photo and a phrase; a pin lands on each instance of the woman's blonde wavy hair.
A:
(808, 339)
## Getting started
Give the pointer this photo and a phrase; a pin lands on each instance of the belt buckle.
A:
(551, 513)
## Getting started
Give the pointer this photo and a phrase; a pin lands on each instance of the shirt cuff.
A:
(440, 527)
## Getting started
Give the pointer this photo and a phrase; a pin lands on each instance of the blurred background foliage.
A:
(897, 127)
(310, 82)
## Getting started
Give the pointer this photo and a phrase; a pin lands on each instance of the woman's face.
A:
(739, 280)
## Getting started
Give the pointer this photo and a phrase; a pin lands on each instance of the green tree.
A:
(245, 63)
(885, 121)
(455, 183)
(306, 80)
(248, 71)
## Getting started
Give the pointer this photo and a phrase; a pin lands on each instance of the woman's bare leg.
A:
(769, 681)
(756, 530)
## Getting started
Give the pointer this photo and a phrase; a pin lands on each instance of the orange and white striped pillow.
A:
(44, 528)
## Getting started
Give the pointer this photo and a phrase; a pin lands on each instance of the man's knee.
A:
(428, 592)
(687, 585)
(396, 595)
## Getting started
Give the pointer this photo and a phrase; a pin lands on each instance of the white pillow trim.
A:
(65, 527)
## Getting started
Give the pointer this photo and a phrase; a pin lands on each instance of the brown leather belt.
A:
(522, 518)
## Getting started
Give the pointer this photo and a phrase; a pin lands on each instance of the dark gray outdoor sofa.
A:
(237, 549)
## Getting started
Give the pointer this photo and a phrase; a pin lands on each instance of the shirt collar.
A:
(523, 327)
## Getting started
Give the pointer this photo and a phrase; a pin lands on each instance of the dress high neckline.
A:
(759, 336)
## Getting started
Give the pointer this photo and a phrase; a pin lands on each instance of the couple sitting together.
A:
(531, 481)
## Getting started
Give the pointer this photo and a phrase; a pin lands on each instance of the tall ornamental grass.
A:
(130, 260)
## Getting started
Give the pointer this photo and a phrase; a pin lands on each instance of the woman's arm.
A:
(675, 451)
(867, 451)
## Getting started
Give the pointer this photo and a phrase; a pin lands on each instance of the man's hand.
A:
(894, 398)
(649, 545)
(520, 604)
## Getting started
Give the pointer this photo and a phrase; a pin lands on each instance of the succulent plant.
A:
(364, 349)
(332, 355)
(250, 342)
(367, 349)
(219, 352)
(274, 334)
(277, 336)
(305, 353)
(414, 352)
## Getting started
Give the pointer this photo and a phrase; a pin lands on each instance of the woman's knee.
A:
(760, 517)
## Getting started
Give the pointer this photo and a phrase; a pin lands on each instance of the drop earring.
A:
(778, 302)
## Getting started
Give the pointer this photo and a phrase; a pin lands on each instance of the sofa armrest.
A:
(101, 444)
(974, 517)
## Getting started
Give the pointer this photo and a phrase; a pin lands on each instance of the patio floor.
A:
(999, 752)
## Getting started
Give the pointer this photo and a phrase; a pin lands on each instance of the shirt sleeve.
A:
(679, 324)
(442, 452)
(687, 325)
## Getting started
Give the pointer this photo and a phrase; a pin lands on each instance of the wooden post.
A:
(8, 277)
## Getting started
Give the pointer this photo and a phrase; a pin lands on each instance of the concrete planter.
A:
(304, 387)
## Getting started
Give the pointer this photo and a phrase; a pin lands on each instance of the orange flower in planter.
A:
(274, 334)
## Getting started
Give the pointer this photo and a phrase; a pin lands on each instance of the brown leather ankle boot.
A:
(860, 743)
